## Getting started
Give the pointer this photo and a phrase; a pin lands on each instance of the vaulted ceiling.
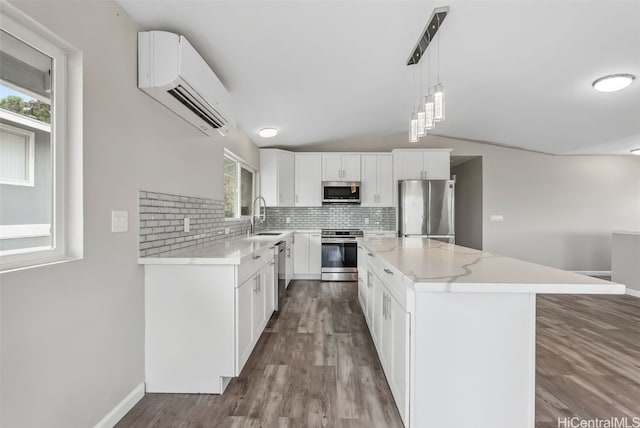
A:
(516, 73)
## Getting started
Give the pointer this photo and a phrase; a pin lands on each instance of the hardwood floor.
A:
(315, 366)
(588, 358)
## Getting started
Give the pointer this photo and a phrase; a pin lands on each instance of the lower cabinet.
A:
(389, 324)
(201, 322)
(244, 321)
(308, 254)
(256, 302)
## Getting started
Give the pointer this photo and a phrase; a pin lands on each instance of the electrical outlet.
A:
(288, 220)
(187, 224)
(227, 230)
(366, 220)
(119, 221)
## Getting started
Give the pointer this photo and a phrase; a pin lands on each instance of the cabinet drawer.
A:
(251, 266)
(392, 279)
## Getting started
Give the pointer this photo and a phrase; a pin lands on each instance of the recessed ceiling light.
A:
(268, 132)
(613, 82)
(635, 151)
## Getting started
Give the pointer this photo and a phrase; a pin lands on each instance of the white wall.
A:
(558, 210)
(72, 334)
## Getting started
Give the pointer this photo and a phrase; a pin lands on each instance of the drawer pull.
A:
(370, 255)
(388, 271)
(254, 257)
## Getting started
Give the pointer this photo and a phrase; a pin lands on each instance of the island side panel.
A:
(474, 360)
(189, 327)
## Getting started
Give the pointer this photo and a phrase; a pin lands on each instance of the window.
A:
(40, 145)
(238, 187)
(16, 155)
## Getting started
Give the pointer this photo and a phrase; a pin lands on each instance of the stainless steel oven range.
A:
(340, 254)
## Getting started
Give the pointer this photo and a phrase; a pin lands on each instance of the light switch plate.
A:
(366, 220)
(288, 220)
(119, 221)
(187, 224)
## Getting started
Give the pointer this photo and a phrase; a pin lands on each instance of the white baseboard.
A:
(121, 409)
(632, 292)
(594, 272)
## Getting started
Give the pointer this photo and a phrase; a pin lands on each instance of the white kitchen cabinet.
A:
(290, 259)
(376, 189)
(340, 167)
(429, 164)
(307, 259)
(202, 321)
(308, 180)
(244, 319)
(386, 336)
(389, 324)
(315, 254)
(399, 321)
(301, 253)
(277, 177)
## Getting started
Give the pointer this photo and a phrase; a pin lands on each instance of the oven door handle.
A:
(338, 241)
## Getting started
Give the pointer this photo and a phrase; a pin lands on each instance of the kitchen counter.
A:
(231, 252)
(431, 265)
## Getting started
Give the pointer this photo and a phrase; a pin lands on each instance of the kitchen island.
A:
(455, 329)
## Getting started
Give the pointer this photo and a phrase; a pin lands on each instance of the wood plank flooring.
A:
(588, 358)
(315, 366)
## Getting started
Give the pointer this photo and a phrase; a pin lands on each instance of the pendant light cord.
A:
(439, 37)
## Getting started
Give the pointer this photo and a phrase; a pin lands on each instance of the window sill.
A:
(36, 263)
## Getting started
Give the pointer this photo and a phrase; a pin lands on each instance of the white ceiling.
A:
(516, 73)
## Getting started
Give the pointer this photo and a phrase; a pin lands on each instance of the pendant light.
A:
(413, 128)
(421, 111)
(438, 95)
(429, 105)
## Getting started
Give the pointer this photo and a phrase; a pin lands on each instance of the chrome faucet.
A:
(262, 217)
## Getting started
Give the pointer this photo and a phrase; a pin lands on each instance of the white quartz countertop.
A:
(231, 252)
(437, 266)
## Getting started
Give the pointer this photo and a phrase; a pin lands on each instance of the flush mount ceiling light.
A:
(613, 82)
(635, 151)
(268, 132)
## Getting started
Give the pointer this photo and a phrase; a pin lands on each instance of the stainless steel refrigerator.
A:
(426, 209)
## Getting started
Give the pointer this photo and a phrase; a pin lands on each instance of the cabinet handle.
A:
(288, 252)
(388, 307)
(370, 255)
(272, 263)
(359, 247)
(296, 198)
(387, 271)
(255, 284)
(254, 257)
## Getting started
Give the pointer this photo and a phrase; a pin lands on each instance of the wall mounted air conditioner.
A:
(172, 72)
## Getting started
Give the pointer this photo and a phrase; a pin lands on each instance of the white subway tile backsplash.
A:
(162, 216)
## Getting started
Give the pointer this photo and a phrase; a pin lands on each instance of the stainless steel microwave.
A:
(340, 192)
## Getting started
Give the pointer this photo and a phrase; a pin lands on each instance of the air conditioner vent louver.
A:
(171, 71)
(195, 106)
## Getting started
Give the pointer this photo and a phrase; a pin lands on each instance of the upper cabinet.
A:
(428, 164)
(277, 173)
(376, 188)
(340, 167)
(308, 180)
